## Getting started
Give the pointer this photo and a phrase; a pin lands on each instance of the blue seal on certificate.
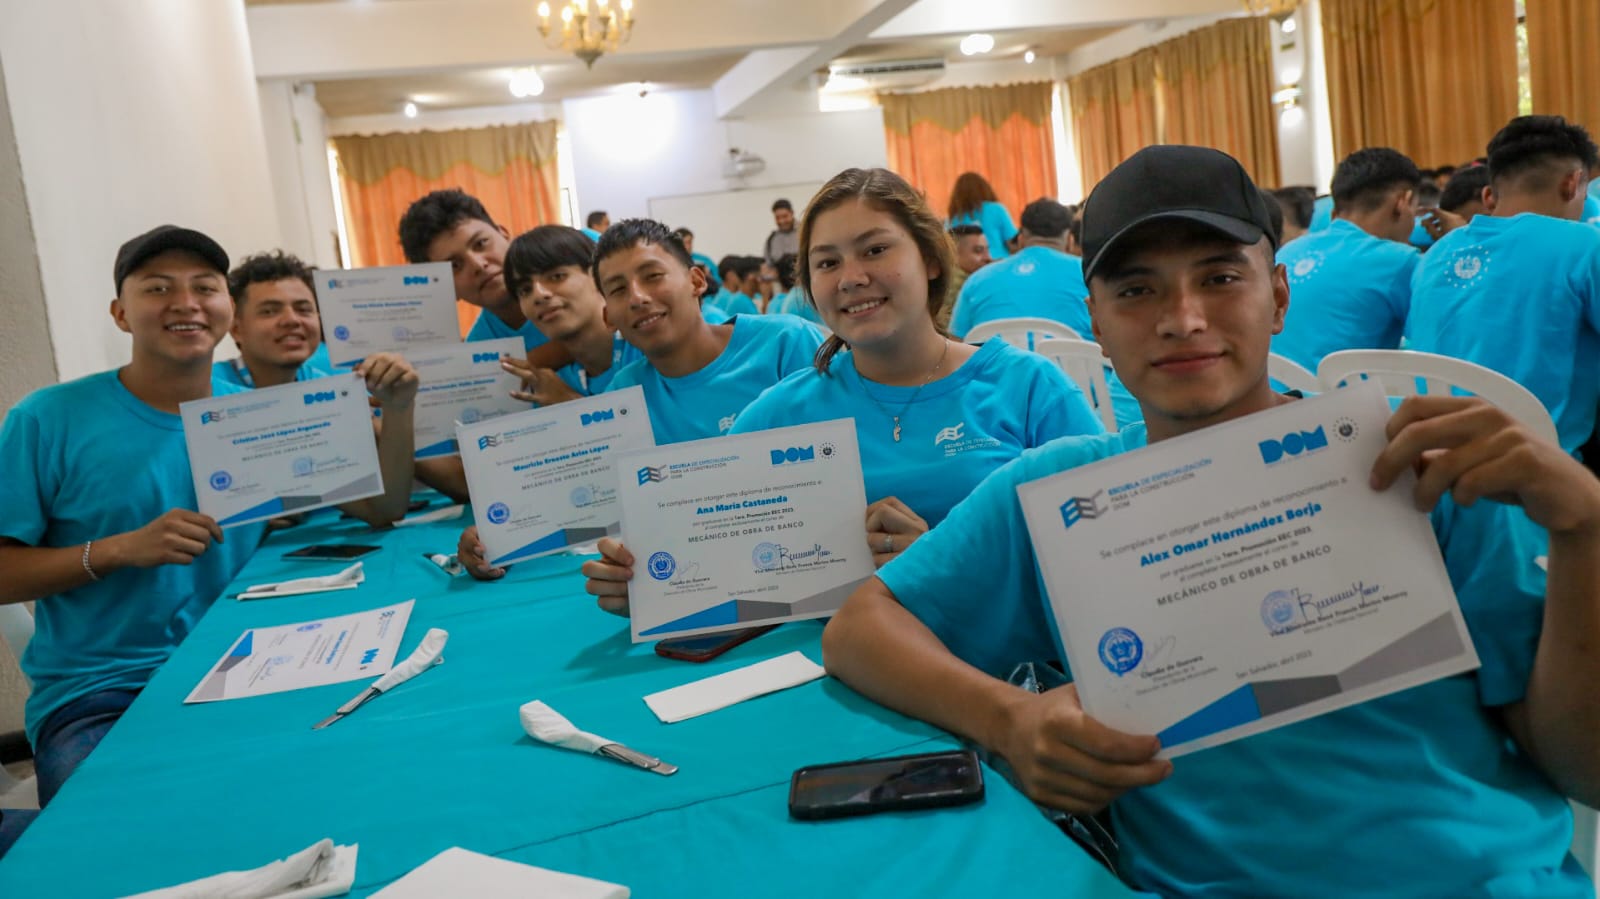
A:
(1279, 610)
(581, 496)
(1121, 650)
(766, 556)
(221, 481)
(662, 566)
(303, 466)
(499, 513)
(402, 333)
(470, 416)
(341, 333)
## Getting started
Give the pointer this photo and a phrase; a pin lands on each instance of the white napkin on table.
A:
(343, 580)
(458, 872)
(315, 872)
(731, 687)
(549, 726)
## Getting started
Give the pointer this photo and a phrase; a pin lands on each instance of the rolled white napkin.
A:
(549, 726)
(342, 580)
(315, 872)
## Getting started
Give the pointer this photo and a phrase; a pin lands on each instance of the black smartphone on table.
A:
(900, 783)
(704, 649)
(331, 552)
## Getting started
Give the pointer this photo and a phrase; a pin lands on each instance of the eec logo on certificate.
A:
(1245, 577)
(740, 531)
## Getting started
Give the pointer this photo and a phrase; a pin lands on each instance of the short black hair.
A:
(782, 204)
(435, 214)
(545, 249)
(629, 233)
(959, 231)
(1536, 144)
(729, 265)
(1366, 177)
(267, 268)
(681, 233)
(1299, 204)
(1046, 218)
(1274, 214)
(595, 218)
(1427, 194)
(785, 268)
(1465, 186)
(749, 265)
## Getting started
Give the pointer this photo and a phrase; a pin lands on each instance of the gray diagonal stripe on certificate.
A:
(362, 486)
(1434, 642)
(826, 601)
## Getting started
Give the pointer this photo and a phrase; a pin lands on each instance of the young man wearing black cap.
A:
(1452, 788)
(1040, 280)
(96, 507)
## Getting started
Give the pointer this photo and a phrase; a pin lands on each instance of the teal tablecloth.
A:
(178, 792)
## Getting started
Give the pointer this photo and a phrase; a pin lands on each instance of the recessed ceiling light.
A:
(1028, 56)
(411, 110)
(974, 44)
(526, 83)
(1289, 25)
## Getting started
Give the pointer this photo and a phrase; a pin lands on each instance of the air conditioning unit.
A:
(742, 164)
(889, 75)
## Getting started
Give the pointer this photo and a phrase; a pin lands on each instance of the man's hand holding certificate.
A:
(1245, 577)
(744, 530)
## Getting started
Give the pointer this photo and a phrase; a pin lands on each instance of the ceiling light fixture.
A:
(1288, 25)
(526, 83)
(411, 110)
(589, 28)
(974, 44)
(1028, 56)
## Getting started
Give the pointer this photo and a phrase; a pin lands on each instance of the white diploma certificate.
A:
(278, 450)
(1245, 577)
(461, 382)
(744, 530)
(546, 479)
(376, 310)
(308, 654)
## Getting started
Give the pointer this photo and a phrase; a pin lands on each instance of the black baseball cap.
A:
(160, 239)
(1170, 181)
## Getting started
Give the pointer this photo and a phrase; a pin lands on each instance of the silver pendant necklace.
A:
(903, 409)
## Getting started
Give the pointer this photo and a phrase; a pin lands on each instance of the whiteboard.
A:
(732, 221)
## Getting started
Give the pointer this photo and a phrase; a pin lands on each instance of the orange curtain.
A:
(510, 168)
(1431, 79)
(1211, 87)
(1562, 39)
(1002, 133)
(1113, 113)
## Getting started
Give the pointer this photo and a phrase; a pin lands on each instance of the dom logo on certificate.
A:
(291, 448)
(1245, 577)
(746, 530)
(461, 382)
(545, 479)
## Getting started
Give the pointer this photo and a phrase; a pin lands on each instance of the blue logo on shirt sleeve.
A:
(1121, 650)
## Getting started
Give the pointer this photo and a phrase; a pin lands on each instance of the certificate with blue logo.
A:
(1245, 577)
(745, 530)
(281, 450)
(392, 307)
(461, 382)
(546, 479)
(307, 654)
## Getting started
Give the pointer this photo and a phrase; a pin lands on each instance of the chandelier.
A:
(1270, 7)
(589, 28)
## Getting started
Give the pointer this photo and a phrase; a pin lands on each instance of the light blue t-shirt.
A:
(712, 314)
(795, 303)
(622, 353)
(954, 431)
(735, 304)
(1348, 290)
(1417, 794)
(763, 350)
(1520, 295)
(996, 224)
(87, 460)
(1591, 207)
(1035, 282)
(490, 327)
(234, 371)
(591, 233)
(1321, 214)
(711, 268)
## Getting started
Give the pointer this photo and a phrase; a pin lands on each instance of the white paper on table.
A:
(393, 307)
(744, 530)
(1245, 577)
(307, 654)
(461, 382)
(731, 687)
(546, 479)
(282, 450)
(460, 872)
(316, 872)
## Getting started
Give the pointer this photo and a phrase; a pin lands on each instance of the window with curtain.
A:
(1563, 40)
(510, 168)
(1002, 133)
(1211, 87)
(1432, 80)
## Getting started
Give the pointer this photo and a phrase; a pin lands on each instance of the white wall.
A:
(628, 149)
(128, 115)
(26, 359)
(295, 130)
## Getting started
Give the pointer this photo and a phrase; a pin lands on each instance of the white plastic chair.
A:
(1022, 333)
(1086, 366)
(16, 627)
(1411, 373)
(1292, 374)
